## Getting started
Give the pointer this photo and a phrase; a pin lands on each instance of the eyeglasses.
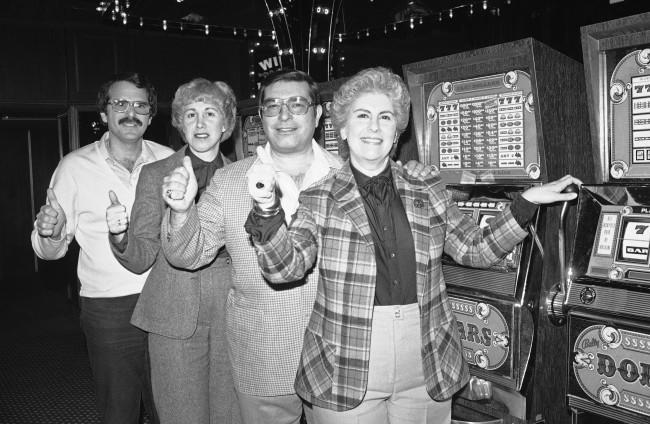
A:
(139, 107)
(297, 105)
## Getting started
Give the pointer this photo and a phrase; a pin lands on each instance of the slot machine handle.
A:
(557, 297)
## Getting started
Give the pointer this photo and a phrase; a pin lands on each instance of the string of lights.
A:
(484, 6)
(119, 12)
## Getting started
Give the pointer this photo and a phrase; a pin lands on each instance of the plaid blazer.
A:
(332, 229)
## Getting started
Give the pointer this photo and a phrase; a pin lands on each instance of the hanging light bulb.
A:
(164, 24)
(412, 23)
(451, 13)
(141, 22)
(259, 33)
(207, 29)
(471, 9)
(340, 37)
(367, 32)
(124, 19)
(273, 35)
(234, 32)
(181, 26)
(439, 16)
(484, 4)
(394, 27)
(421, 20)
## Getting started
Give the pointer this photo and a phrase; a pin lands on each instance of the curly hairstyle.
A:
(372, 80)
(218, 94)
(135, 78)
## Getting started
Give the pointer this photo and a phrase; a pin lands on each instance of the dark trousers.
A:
(119, 359)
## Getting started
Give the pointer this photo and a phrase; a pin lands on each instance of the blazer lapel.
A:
(346, 194)
(415, 199)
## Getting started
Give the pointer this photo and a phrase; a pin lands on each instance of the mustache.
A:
(128, 120)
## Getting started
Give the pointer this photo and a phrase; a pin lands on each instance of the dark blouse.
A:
(391, 232)
(203, 170)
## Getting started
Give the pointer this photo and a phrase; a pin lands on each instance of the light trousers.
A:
(284, 409)
(396, 392)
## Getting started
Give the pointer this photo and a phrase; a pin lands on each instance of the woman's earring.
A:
(223, 129)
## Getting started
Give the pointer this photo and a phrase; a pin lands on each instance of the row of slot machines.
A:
(560, 328)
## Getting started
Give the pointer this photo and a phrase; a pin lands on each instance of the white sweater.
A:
(81, 183)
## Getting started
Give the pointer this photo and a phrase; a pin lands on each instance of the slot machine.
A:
(248, 132)
(496, 121)
(327, 136)
(607, 287)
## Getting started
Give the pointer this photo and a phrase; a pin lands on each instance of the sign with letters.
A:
(612, 366)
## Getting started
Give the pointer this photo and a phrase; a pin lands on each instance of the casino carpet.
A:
(44, 371)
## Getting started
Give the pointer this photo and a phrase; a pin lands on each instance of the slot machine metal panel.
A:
(248, 133)
(326, 135)
(608, 283)
(496, 121)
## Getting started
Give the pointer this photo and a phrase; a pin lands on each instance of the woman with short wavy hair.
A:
(382, 345)
(184, 311)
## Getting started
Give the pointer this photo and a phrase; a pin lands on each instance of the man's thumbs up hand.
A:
(116, 217)
(51, 217)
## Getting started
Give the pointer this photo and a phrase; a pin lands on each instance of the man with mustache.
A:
(88, 181)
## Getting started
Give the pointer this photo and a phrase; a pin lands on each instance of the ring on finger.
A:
(168, 193)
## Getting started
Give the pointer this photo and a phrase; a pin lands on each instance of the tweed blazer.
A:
(169, 302)
(265, 322)
(331, 230)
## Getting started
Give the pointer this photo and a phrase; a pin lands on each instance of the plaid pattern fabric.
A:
(265, 322)
(331, 228)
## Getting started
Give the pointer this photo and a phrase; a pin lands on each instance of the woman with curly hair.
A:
(382, 345)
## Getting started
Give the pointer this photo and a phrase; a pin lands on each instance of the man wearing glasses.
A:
(265, 323)
(77, 203)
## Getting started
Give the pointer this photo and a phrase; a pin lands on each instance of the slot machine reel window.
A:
(482, 128)
(634, 243)
(621, 250)
(628, 120)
